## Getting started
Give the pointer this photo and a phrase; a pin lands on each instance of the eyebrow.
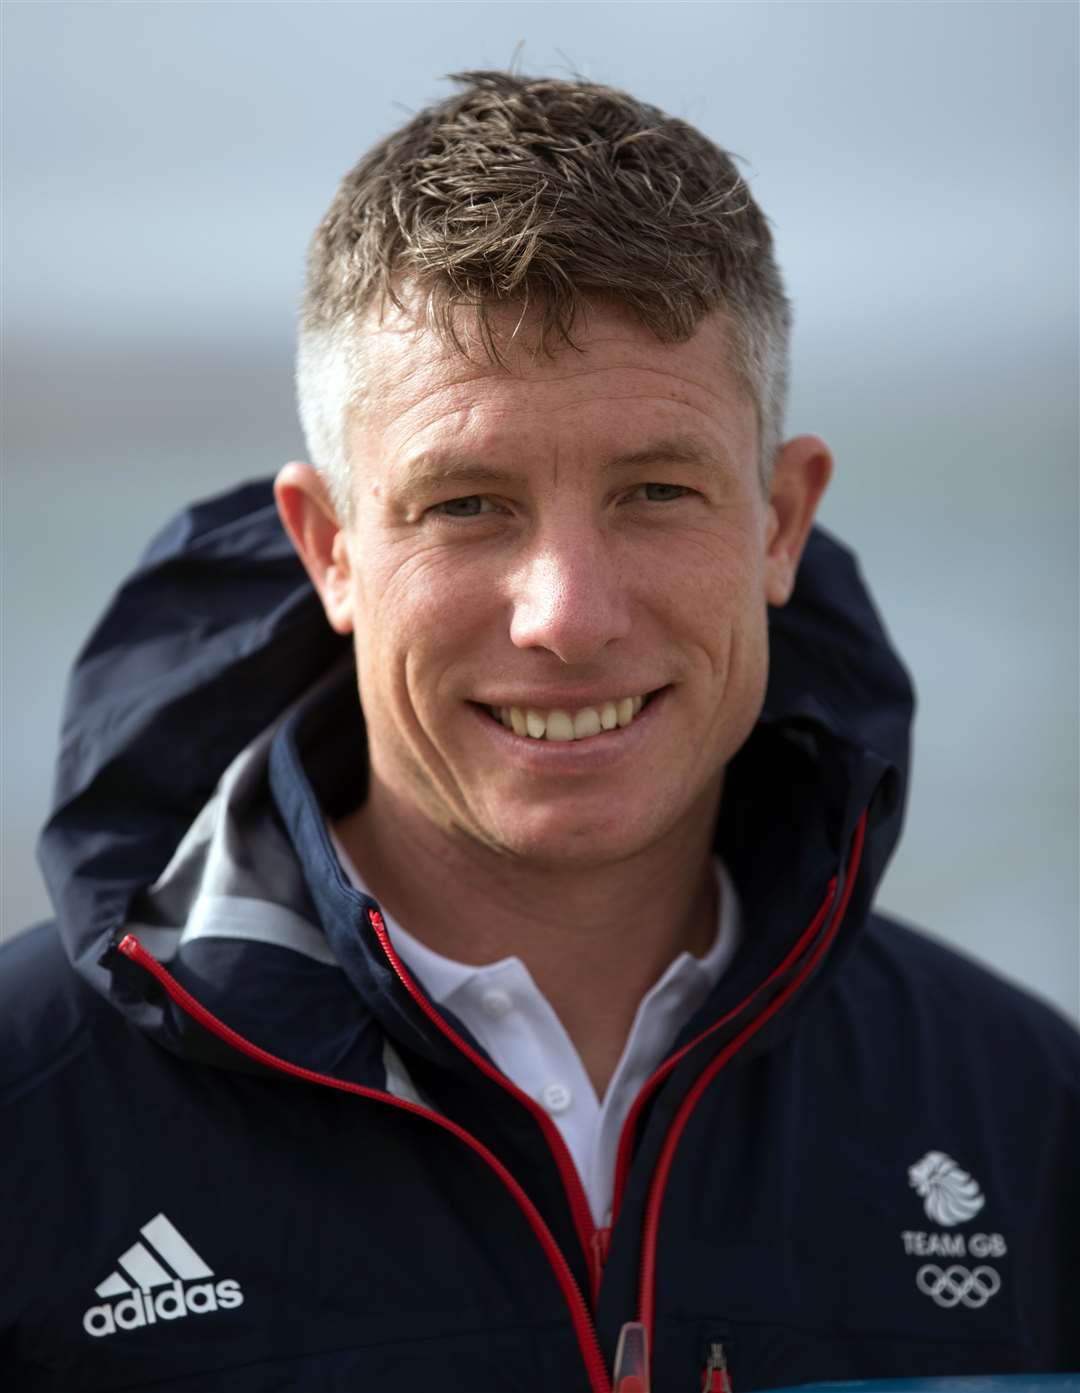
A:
(432, 470)
(677, 449)
(429, 471)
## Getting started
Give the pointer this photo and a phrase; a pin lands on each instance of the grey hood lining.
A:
(239, 917)
(235, 874)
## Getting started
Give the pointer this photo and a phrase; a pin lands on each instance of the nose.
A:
(570, 598)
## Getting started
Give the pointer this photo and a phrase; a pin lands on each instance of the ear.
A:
(801, 472)
(308, 516)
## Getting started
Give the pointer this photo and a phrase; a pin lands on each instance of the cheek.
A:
(417, 619)
(715, 581)
(397, 597)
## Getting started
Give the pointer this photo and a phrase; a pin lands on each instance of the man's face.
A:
(559, 537)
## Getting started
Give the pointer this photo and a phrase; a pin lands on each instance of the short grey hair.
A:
(545, 193)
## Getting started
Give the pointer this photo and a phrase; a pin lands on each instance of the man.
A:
(526, 1024)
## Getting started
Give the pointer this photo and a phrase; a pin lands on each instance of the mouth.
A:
(563, 725)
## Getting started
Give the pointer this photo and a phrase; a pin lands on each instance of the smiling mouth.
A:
(533, 723)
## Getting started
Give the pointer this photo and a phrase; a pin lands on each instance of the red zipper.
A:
(599, 1382)
(601, 1247)
(575, 1191)
(647, 1283)
(626, 1137)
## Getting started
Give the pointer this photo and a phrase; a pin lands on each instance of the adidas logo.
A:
(160, 1278)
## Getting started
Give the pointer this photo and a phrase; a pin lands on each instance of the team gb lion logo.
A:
(950, 1196)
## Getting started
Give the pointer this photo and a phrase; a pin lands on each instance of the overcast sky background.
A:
(164, 167)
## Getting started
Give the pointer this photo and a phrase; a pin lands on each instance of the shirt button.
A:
(556, 1097)
(496, 1003)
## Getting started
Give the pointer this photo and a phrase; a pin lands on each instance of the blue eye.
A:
(668, 492)
(469, 507)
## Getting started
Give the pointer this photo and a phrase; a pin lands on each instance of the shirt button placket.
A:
(556, 1097)
(496, 1003)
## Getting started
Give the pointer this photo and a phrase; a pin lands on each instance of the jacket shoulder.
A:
(953, 1001)
(47, 1012)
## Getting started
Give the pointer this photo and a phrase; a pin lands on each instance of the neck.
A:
(594, 938)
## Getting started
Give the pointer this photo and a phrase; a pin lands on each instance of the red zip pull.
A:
(715, 1377)
(631, 1373)
(601, 1247)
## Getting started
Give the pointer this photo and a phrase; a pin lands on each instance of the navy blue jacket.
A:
(243, 1151)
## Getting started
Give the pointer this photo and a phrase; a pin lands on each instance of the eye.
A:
(662, 493)
(471, 506)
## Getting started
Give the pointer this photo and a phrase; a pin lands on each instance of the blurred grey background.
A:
(165, 164)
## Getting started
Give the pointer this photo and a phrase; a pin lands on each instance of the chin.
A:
(557, 840)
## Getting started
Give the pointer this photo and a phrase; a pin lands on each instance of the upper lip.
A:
(550, 699)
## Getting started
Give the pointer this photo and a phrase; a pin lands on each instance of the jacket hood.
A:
(194, 761)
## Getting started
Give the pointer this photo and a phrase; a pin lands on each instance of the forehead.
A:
(618, 379)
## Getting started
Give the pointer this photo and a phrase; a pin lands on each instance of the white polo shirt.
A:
(512, 1019)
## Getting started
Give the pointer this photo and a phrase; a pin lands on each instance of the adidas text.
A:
(141, 1308)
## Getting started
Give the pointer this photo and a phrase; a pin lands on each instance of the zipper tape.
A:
(131, 948)
(647, 1283)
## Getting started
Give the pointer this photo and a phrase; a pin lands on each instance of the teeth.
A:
(561, 725)
(586, 722)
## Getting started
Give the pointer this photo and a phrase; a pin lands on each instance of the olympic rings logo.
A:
(956, 1286)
